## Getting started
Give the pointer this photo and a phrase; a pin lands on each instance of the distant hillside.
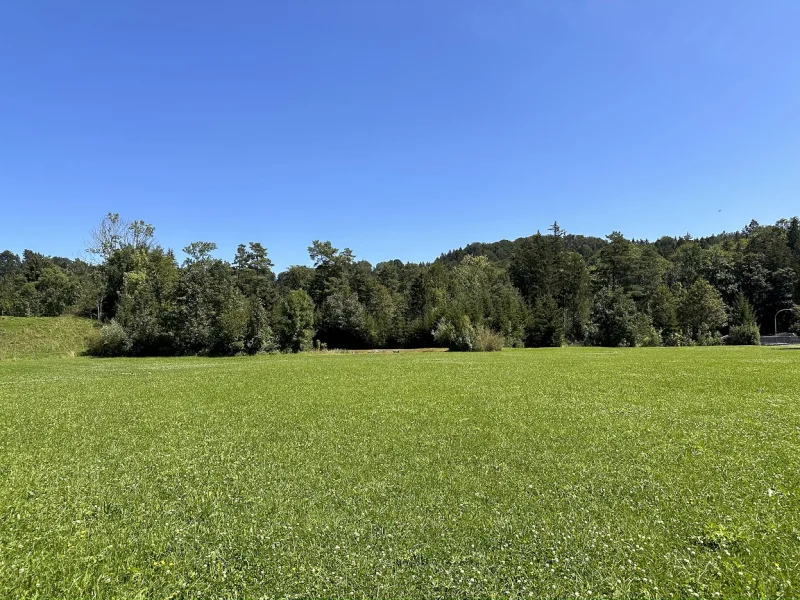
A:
(586, 246)
(43, 337)
(501, 251)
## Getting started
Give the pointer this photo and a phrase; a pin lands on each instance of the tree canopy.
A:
(543, 290)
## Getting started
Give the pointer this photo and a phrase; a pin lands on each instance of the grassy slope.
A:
(43, 337)
(627, 473)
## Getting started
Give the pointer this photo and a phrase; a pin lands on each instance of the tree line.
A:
(544, 290)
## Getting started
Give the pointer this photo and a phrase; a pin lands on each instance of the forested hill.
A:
(543, 290)
(586, 246)
(503, 250)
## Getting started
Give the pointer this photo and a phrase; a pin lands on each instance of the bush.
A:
(487, 340)
(259, 337)
(145, 337)
(458, 336)
(301, 341)
(744, 329)
(461, 336)
(644, 332)
(745, 335)
(111, 340)
(677, 339)
(707, 337)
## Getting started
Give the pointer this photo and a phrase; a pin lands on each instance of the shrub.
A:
(111, 340)
(461, 336)
(744, 329)
(745, 335)
(458, 336)
(513, 341)
(301, 341)
(677, 339)
(644, 332)
(145, 337)
(259, 337)
(708, 337)
(487, 340)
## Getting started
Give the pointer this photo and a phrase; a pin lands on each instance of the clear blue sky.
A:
(397, 128)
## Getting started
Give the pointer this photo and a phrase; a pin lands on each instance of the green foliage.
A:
(744, 335)
(532, 267)
(543, 290)
(614, 262)
(574, 294)
(228, 335)
(297, 322)
(544, 269)
(718, 536)
(56, 290)
(115, 233)
(457, 335)
(487, 340)
(10, 264)
(614, 319)
(296, 277)
(677, 339)
(253, 272)
(111, 340)
(644, 333)
(707, 337)
(259, 337)
(199, 252)
(460, 335)
(701, 312)
(664, 310)
(210, 312)
(481, 292)
(382, 316)
(342, 320)
(687, 264)
(546, 327)
(744, 331)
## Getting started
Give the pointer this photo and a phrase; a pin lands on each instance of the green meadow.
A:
(44, 337)
(617, 473)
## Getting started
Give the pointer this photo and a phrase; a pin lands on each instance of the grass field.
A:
(43, 337)
(589, 472)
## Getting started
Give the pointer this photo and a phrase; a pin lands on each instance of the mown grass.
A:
(43, 337)
(589, 472)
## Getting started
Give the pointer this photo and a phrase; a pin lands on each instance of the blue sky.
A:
(398, 128)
